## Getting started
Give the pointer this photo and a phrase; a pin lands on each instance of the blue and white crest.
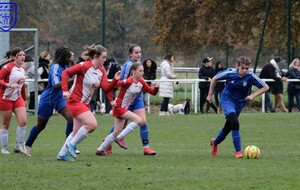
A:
(245, 83)
(8, 15)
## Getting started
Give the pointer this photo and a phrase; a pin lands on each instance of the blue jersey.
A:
(126, 69)
(51, 95)
(125, 74)
(237, 88)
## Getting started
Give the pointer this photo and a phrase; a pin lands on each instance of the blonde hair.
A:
(44, 54)
(94, 50)
(293, 62)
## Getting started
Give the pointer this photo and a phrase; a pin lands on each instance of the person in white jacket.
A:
(29, 66)
(166, 88)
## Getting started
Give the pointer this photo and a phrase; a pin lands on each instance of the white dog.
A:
(182, 109)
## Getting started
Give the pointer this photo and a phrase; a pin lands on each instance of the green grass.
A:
(183, 159)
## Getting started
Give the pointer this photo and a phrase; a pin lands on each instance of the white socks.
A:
(128, 129)
(81, 134)
(20, 134)
(4, 138)
(108, 141)
(64, 150)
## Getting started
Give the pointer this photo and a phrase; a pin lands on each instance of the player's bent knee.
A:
(140, 122)
(233, 119)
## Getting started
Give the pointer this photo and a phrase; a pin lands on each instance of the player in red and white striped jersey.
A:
(13, 99)
(88, 76)
(130, 89)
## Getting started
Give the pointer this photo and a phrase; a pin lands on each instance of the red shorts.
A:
(77, 108)
(6, 105)
(117, 111)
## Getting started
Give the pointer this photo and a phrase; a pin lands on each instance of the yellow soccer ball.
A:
(252, 152)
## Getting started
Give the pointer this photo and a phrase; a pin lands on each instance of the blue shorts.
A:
(45, 110)
(137, 104)
(229, 107)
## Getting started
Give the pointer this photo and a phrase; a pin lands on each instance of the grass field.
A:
(183, 159)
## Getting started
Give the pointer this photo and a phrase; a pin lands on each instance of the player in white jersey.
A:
(130, 89)
(13, 99)
(89, 75)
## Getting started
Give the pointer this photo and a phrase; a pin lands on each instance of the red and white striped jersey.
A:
(87, 79)
(12, 74)
(130, 90)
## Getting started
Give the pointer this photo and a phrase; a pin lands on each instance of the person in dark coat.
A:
(269, 72)
(150, 68)
(219, 86)
(111, 68)
(206, 72)
(294, 87)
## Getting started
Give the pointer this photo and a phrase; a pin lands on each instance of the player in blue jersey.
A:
(137, 106)
(52, 98)
(234, 96)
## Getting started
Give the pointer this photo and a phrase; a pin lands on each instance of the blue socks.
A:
(221, 136)
(32, 136)
(69, 129)
(112, 129)
(236, 138)
(144, 133)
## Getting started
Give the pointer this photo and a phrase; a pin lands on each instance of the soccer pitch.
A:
(183, 159)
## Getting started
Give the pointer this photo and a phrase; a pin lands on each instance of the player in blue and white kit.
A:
(52, 98)
(137, 106)
(234, 97)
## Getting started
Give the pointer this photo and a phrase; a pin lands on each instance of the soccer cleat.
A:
(5, 151)
(120, 141)
(108, 150)
(101, 152)
(26, 150)
(77, 151)
(149, 151)
(64, 158)
(18, 149)
(238, 154)
(72, 150)
(214, 148)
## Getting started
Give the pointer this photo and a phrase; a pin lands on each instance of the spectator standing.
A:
(219, 86)
(30, 74)
(269, 72)
(294, 87)
(150, 68)
(166, 88)
(111, 68)
(83, 57)
(206, 72)
(277, 89)
(44, 62)
(6, 59)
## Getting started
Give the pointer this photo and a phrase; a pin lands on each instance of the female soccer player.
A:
(52, 98)
(137, 106)
(13, 99)
(130, 88)
(234, 96)
(88, 76)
